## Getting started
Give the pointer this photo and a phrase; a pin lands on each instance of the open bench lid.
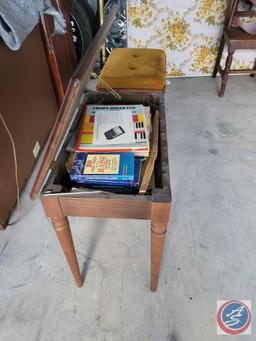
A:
(71, 102)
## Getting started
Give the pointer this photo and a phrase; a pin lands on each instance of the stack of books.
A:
(111, 145)
(109, 170)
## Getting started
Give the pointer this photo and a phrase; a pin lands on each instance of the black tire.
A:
(81, 26)
(94, 19)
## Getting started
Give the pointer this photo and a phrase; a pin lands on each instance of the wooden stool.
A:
(236, 35)
(135, 69)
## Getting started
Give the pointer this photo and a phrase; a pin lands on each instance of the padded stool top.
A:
(135, 69)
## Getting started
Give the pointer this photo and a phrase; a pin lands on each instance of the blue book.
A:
(118, 183)
(102, 166)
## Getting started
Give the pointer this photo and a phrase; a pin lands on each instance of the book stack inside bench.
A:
(110, 147)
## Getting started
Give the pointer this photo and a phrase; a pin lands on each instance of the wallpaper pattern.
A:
(188, 31)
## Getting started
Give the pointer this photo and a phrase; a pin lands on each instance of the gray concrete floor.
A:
(209, 252)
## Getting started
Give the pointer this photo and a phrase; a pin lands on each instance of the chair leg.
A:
(159, 220)
(226, 73)
(62, 229)
(219, 55)
(253, 69)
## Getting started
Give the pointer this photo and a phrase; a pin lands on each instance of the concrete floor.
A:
(209, 252)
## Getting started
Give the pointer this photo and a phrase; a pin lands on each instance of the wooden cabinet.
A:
(29, 104)
(29, 107)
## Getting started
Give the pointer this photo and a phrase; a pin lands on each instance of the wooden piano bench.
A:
(58, 199)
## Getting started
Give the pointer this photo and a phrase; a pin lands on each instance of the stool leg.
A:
(219, 55)
(159, 220)
(226, 73)
(62, 229)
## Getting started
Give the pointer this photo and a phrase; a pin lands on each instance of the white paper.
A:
(105, 120)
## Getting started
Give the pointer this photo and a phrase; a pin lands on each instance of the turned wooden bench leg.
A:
(61, 226)
(159, 220)
(157, 246)
(62, 229)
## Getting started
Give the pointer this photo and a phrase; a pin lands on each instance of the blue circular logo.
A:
(234, 317)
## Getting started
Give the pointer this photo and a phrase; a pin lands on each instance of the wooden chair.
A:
(236, 35)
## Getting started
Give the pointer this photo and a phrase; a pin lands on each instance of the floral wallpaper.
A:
(188, 31)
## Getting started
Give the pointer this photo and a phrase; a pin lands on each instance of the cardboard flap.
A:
(70, 104)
